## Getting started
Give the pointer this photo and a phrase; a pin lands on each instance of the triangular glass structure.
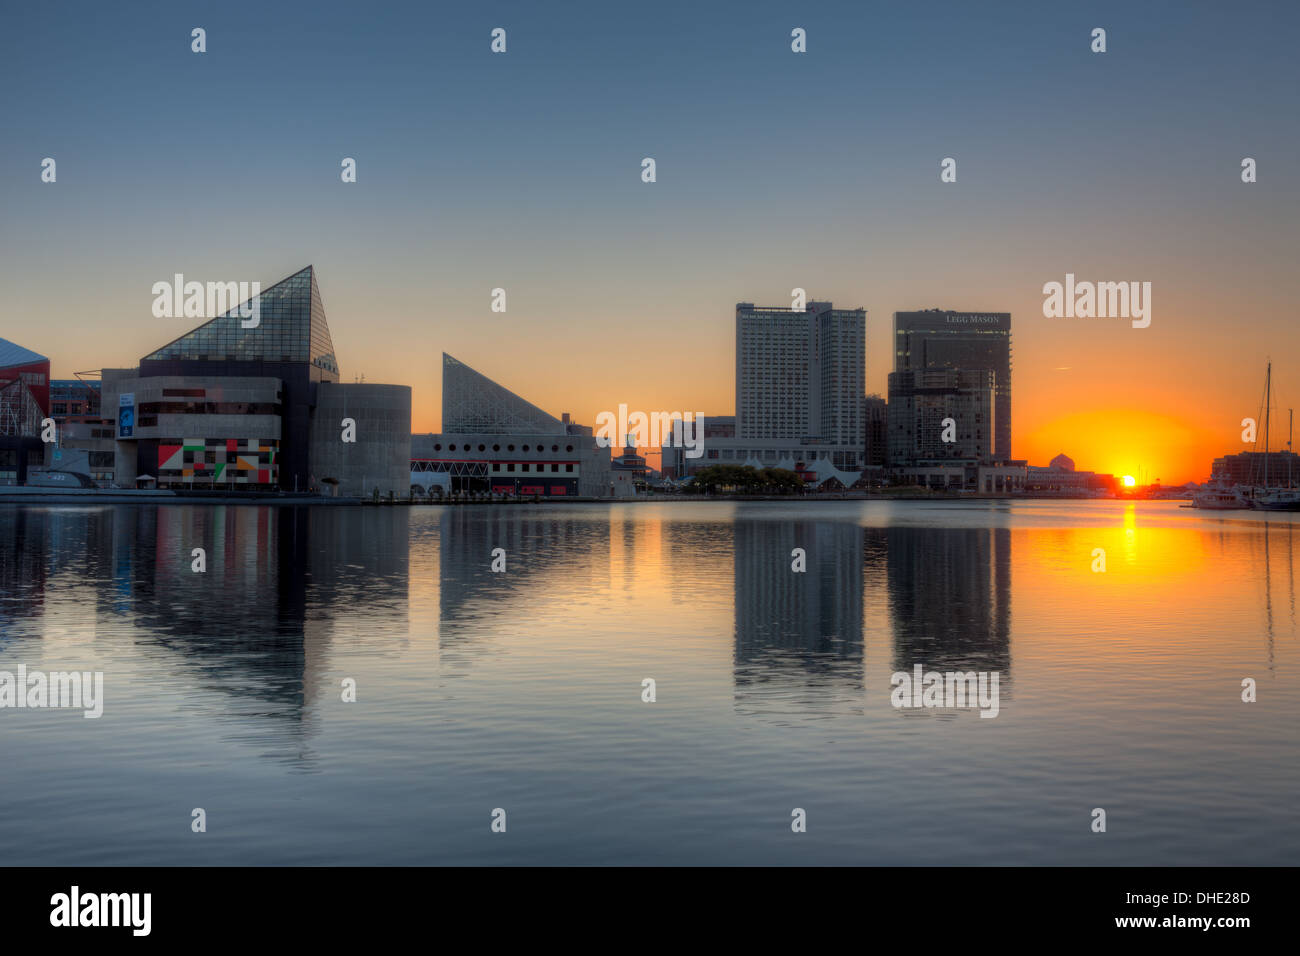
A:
(474, 404)
(291, 328)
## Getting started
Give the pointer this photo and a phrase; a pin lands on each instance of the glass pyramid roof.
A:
(292, 328)
(474, 404)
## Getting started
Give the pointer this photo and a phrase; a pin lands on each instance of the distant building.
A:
(1067, 481)
(996, 478)
(815, 461)
(24, 402)
(85, 443)
(495, 441)
(474, 404)
(74, 399)
(938, 339)
(573, 428)
(875, 415)
(719, 426)
(801, 375)
(24, 384)
(630, 464)
(1060, 477)
(1247, 468)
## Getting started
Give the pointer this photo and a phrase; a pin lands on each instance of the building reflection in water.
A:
(289, 592)
(798, 635)
(256, 629)
(950, 598)
(26, 550)
(545, 551)
(251, 635)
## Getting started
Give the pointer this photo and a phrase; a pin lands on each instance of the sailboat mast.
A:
(1268, 408)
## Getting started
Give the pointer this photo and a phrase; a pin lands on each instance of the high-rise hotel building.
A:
(938, 339)
(801, 375)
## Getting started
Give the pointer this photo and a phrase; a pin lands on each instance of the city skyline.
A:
(472, 176)
(1070, 443)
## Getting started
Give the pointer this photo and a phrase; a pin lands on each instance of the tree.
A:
(745, 480)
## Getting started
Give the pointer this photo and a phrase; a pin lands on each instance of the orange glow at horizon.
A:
(1127, 442)
(1146, 445)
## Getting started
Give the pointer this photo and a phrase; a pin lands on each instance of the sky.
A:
(775, 170)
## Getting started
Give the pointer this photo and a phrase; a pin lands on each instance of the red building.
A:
(24, 389)
(24, 401)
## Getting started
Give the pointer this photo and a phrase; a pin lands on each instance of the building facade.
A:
(921, 400)
(183, 431)
(495, 441)
(815, 461)
(242, 405)
(375, 457)
(801, 375)
(74, 399)
(944, 339)
(875, 417)
(1002, 478)
(555, 466)
(290, 343)
(1250, 468)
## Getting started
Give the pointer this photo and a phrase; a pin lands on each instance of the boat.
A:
(1221, 499)
(1279, 499)
(1274, 499)
(1218, 497)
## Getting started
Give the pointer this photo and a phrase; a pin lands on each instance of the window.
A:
(510, 467)
(555, 468)
(568, 468)
(525, 466)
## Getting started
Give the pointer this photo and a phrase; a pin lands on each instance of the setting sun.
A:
(1129, 481)
(1114, 440)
